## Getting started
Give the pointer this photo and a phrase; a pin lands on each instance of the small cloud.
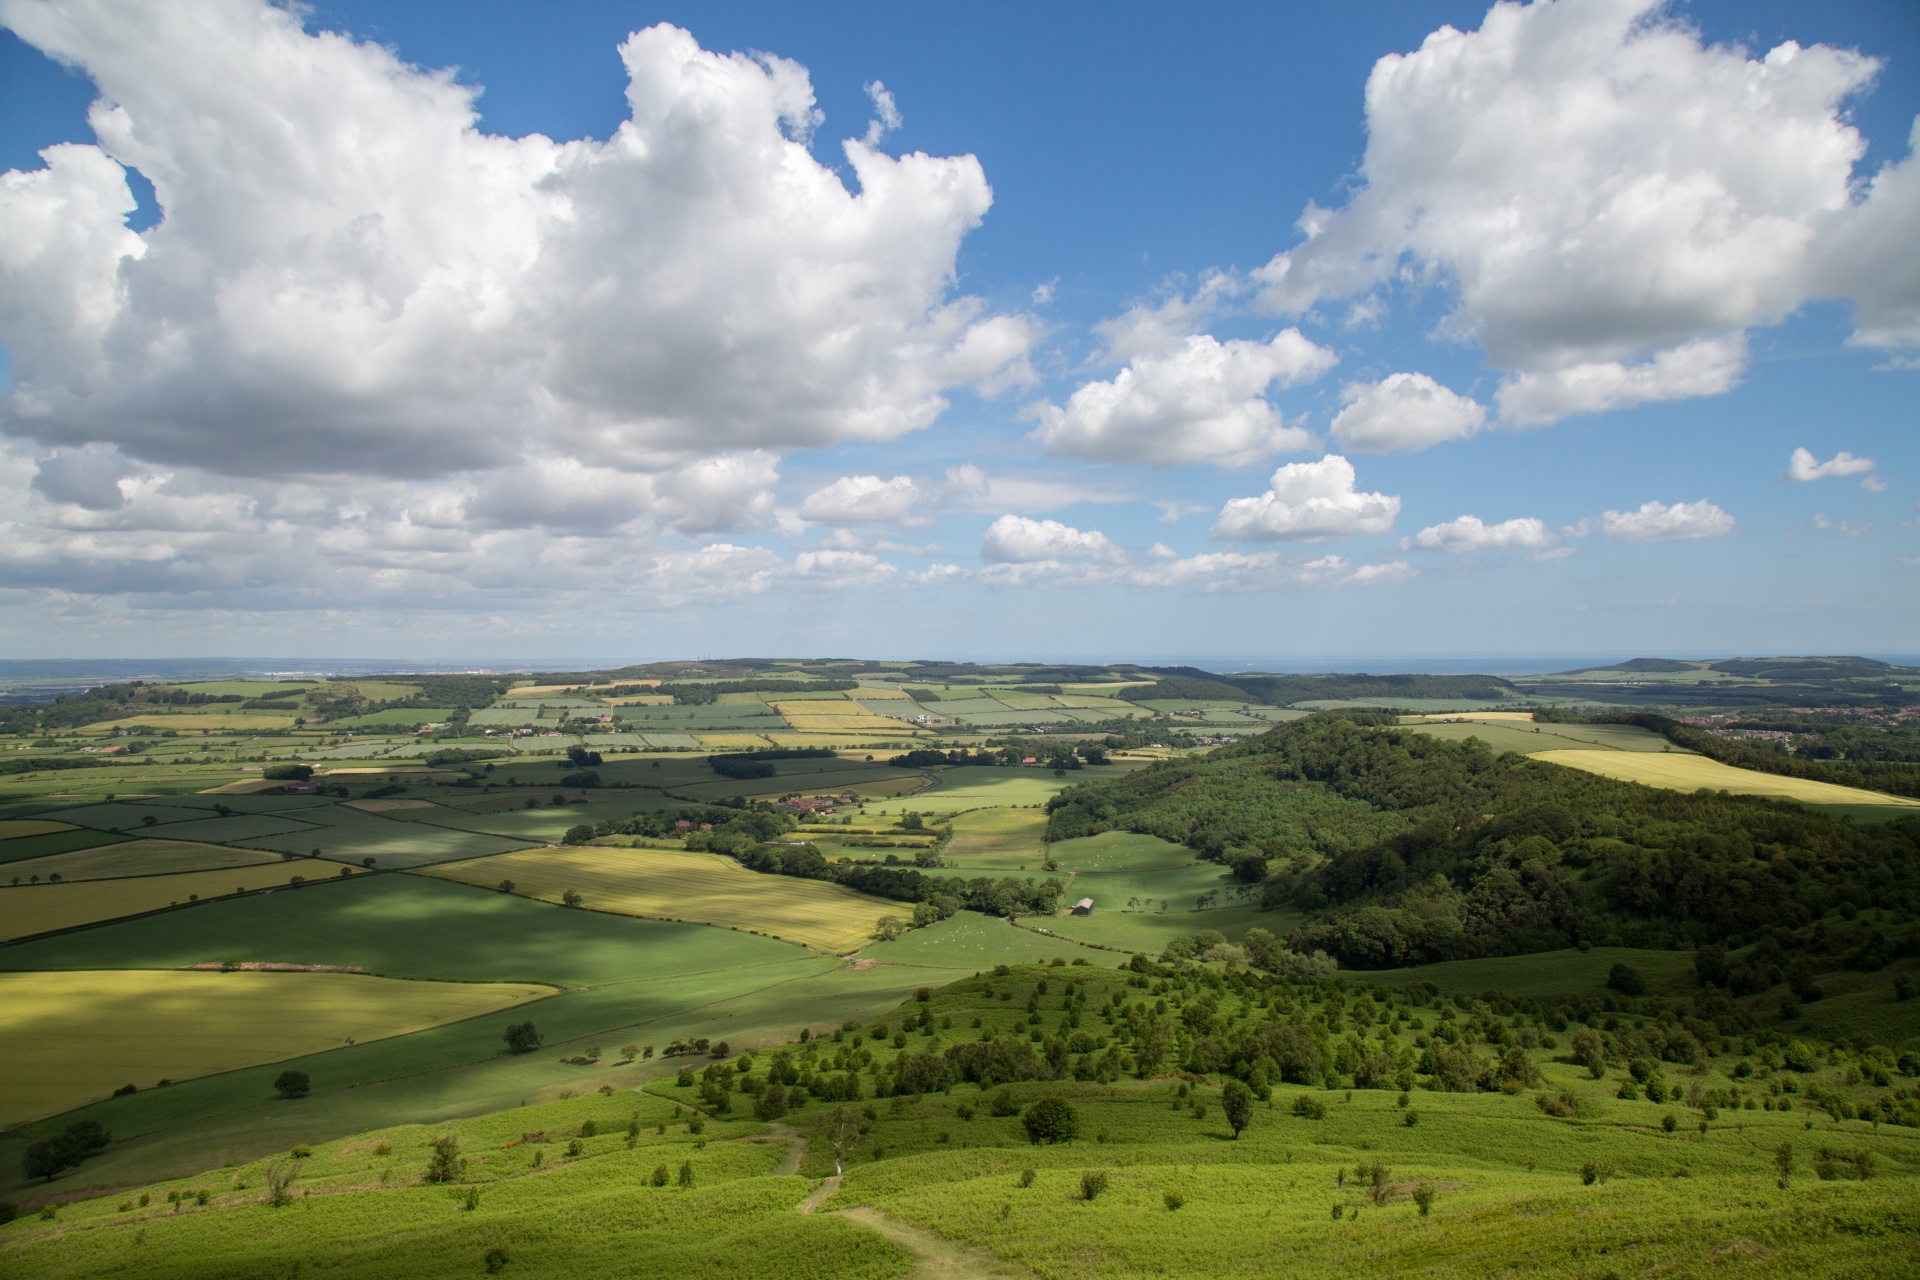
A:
(1405, 412)
(1805, 468)
(1658, 522)
(886, 114)
(1043, 293)
(1173, 510)
(1017, 540)
(1846, 528)
(1469, 533)
(1874, 484)
(1307, 502)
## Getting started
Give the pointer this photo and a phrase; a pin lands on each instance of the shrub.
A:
(496, 1261)
(279, 1177)
(1595, 1171)
(521, 1037)
(301, 1153)
(660, 1176)
(1002, 1104)
(446, 1163)
(1668, 1123)
(1173, 1200)
(686, 1173)
(1310, 1107)
(293, 1084)
(1626, 980)
(1423, 1196)
(1092, 1183)
(1051, 1120)
(1237, 1101)
(1026, 1177)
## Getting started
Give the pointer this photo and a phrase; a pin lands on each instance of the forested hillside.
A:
(1407, 849)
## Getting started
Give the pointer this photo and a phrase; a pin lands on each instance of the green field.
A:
(1527, 739)
(21, 847)
(348, 835)
(78, 1035)
(140, 858)
(996, 841)
(1151, 931)
(1371, 1181)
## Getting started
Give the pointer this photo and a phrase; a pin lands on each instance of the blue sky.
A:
(359, 382)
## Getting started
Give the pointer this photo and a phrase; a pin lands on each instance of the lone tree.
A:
(841, 1128)
(279, 1176)
(446, 1164)
(293, 1084)
(1237, 1101)
(1051, 1120)
(521, 1037)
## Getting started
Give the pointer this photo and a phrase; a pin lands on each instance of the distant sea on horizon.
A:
(44, 676)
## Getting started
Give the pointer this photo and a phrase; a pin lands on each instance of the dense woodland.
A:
(1406, 849)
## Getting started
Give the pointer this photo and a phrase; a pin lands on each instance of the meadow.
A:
(139, 858)
(1530, 739)
(1677, 772)
(76, 1036)
(671, 1173)
(30, 909)
(701, 888)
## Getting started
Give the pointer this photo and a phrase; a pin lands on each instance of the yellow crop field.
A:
(699, 888)
(1483, 717)
(31, 827)
(43, 908)
(732, 741)
(880, 691)
(215, 720)
(74, 1037)
(139, 858)
(1677, 772)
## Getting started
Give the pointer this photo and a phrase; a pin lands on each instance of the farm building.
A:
(1084, 907)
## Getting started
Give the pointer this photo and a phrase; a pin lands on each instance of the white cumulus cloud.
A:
(854, 500)
(1308, 502)
(1018, 540)
(1704, 368)
(349, 275)
(1658, 522)
(1470, 533)
(1187, 399)
(1804, 467)
(1595, 186)
(1404, 411)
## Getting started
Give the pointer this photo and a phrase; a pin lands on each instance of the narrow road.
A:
(937, 1258)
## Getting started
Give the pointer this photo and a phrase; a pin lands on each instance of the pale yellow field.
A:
(1486, 717)
(189, 720)
(74, 1037)
(699, 888)
(139, 858)
(31, 827)
(875, 692)
(43, 908)
(387, 805)
(732, 741)
(1678, 772)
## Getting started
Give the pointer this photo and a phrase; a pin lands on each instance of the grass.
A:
(1502, 735)
(141, 858)
(1547, 973)
(943, 1176)
(970, 942)
(216, 721)
(1677, 772)
(30, 909)
(349, 835)
(1150, 932)
(23, 847)
(16, 827)
(78, 1035)
(996, 841)
(700, 887)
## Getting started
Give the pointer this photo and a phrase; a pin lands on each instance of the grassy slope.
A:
(1510, 1195)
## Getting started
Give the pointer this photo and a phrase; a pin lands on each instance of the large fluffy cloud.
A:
(1308, 502)
(853, 500)
(1598, 187)
(1186, 399)
(1404, 411)
(349, 276)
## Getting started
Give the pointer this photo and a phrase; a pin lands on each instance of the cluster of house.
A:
(821, 805)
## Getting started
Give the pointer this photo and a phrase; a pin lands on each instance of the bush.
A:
(1026, 1177)
(1423, 1196)
(293, 1084)
(1092, 1183)
(1626, 980)
(446, 1163)
(1051, 1120)
(1173, 1200)
(1595, 1171)
(1311, 1108)
(521, 1037)
(1002, 1104)
(496, 1261)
